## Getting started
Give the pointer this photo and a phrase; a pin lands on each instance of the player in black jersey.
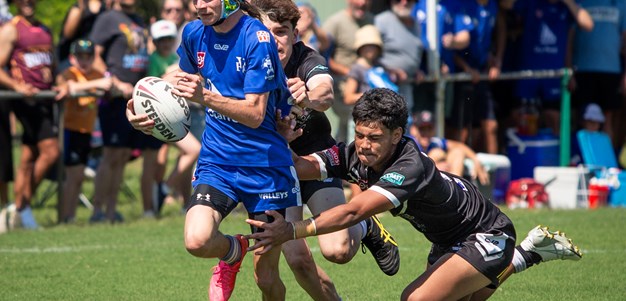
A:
(473, 241)
(312, 88)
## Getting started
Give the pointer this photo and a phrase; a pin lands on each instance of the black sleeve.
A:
(334, 161)
(313, 64)
(103, 30)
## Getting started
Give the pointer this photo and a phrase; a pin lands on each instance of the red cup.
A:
(598, 195)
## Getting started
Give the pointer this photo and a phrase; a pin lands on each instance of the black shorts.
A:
(76, 148)
(472, 104)
(308, 188)
(598, 87)
(6, 143)
(148, 142)
(116, 129)
(208, 195)
(37, 119)
(490, 251)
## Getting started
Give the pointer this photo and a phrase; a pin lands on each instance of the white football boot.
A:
(550, 245)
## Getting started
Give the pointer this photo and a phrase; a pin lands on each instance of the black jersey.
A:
(306, 63)
(442, 206)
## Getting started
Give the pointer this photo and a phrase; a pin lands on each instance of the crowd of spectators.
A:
(105, 45)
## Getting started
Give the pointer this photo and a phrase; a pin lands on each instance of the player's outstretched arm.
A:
(362, 206)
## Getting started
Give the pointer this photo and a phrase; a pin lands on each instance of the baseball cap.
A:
(82, 46)
(163, 29)
(593, 112)
(424, 118)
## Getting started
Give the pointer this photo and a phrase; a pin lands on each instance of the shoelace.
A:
(226, 275)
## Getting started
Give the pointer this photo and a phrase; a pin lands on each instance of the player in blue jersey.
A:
(229, 63)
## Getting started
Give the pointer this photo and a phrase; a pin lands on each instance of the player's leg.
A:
(458, 271)
(266, 272)
(310, 277)
(540, 245)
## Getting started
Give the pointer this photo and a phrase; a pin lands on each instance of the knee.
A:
(196, 245)
(337, 253)
(269, 281)
(300, 262)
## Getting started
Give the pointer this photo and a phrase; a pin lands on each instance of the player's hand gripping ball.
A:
(153, 96)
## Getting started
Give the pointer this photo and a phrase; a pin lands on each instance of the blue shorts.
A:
(259, 188)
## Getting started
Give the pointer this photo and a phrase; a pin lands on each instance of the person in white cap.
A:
(593, 117)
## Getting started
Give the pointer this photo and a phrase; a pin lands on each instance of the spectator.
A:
(120, 41)
(597, 60)
(162, 61)
(403, 46)
(309, 30)
(342, 27)
(6, 140)
(27, 44)
(311, 86)
(80, 117)
(547, 26)
(77, 24)
(367, 72)
(474, 103)
(453, 34)
(592, 120)
(448, 155)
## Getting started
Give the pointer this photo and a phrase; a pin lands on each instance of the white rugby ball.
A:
(170, 112)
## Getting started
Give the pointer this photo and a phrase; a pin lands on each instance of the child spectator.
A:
(366, 72)
(592, 121)
(80, 117)
(163, 59)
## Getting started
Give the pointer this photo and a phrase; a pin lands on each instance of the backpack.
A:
(526, 193)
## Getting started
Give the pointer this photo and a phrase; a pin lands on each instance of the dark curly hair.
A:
(279, 11)
(381, 105)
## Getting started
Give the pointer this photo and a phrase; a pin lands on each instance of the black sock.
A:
(530, 257)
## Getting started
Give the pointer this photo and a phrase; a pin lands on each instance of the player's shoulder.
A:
(193, 27)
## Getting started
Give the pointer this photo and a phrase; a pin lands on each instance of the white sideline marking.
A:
(58, 249)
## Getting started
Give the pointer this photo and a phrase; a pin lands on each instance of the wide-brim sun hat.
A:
(367, 35)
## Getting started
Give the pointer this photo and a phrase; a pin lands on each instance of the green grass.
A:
(146, 260)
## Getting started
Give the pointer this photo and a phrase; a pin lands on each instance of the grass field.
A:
(146, 260)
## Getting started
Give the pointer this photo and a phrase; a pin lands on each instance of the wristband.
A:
(304, 228)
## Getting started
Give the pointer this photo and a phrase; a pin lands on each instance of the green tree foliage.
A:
(52, 12)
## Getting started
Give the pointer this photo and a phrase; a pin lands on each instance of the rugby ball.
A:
(170, 112)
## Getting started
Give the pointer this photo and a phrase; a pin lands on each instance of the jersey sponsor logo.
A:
(269, 68)
(200, 56)
(490, 246)
(393, 178)
(278, 195)
(241, 64)
(222, 47)
(332, 154)
(216, 115)
(263, 36)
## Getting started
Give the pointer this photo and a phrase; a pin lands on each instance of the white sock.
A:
(518, 262)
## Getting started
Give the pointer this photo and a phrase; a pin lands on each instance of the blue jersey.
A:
(599, 49)
(484, 21)
(242, 61)
(546, 29)
(450, 19)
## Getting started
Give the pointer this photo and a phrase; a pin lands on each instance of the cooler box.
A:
(617, 197)
(566, 186)
(526, 153)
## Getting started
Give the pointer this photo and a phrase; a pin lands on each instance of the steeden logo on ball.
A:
(170, 112)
